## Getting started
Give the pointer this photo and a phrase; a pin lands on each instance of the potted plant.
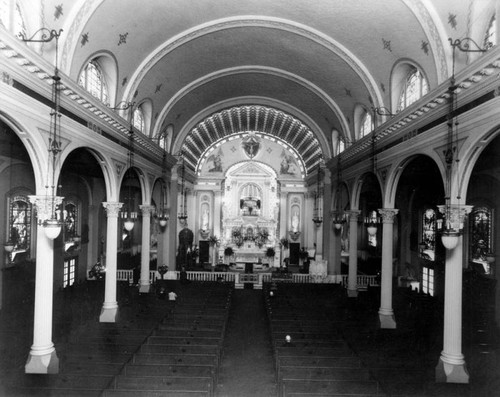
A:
(214, 242)
(228, 253)
(270, 253)
(162, 270)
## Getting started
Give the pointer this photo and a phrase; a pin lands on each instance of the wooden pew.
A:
(329, 388)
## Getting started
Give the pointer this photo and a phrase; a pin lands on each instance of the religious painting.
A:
(216, 160)
(288, 165)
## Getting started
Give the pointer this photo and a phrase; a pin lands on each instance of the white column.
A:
(42, 357)
(109, 312)
(386, 314)
(172, 226)
(352, 287)
(335, 251)
(283, 232)
(327, 235)
(451, 367)
(144, 284)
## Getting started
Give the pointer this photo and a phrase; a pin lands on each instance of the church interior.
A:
(249, 198)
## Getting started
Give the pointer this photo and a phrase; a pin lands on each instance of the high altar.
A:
(250, 211)
(250, 193)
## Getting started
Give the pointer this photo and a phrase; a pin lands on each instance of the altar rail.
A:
(257, 278)
(363, 281)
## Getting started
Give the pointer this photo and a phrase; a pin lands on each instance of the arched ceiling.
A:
(319, 59)
(252, 119)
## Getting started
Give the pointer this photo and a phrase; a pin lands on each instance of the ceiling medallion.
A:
(251, 146)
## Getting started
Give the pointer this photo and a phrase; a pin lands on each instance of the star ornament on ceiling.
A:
(158, 88)
(58, 11)
(425, 47)
(85, 39)
(123, 38)
(387, 44)
(452, 20)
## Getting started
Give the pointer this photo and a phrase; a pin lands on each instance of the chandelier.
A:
(318, 210)
(128, 213)
(338, 216)
(451, 217)
(48, 215)
(182, 216)
(163, 212)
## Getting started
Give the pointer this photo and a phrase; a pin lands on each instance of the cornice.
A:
(470, 82)
(36, 73)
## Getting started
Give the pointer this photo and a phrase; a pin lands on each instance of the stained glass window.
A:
(428, 237)
(138, 119)
(415, 87)
(20, 223)
(70, 214)
(481, 236)
(92, 79)
(366, 125)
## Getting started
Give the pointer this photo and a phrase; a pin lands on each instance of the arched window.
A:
(415, 87)
(481, 236)
(341, 146)
(490, 37)
(19, 224)
(138, 119)
(366, 125)
(92, 79)
(428, 235)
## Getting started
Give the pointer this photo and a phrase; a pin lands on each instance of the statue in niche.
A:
(204, 220)
(295, 221)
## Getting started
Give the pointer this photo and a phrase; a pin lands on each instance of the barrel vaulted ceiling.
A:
(309, 62)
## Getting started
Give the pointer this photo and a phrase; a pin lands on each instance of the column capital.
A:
(455, 214)
(45, 205)
(353, 214)
(388, 214)
(147, 209)
(112, 208)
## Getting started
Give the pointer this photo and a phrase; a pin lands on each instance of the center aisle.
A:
(247, 367)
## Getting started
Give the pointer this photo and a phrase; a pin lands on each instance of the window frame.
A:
(84, 81)
(423, 88)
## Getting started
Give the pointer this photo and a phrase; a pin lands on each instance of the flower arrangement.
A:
(213, 240)
(284, 242)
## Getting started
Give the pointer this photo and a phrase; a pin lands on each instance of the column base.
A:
(352, 293)
(451, 373)
(109, 315)
(144, 288)
(387, 321)
(42, 364)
